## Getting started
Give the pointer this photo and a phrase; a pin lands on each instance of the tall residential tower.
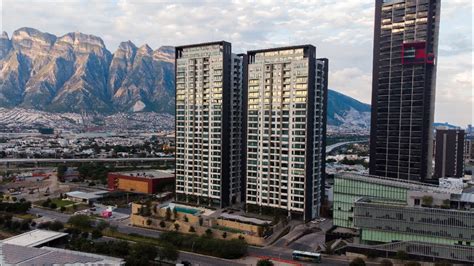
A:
(403, 88)
(286, 114)
(210, 87)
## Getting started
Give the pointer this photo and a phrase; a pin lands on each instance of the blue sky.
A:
(341, 30)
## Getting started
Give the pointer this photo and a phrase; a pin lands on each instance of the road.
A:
(197, 259)
(339, 144)
(110, 160)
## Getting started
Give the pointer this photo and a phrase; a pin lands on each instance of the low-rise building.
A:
(85, 197)
(148, 182)
(386, 210)
(36, 238)
(22, 255)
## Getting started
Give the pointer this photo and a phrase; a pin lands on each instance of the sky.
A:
(341, 31)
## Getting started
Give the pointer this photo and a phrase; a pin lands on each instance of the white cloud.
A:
(341, 30)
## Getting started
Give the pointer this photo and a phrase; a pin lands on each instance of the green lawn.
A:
(60, 203)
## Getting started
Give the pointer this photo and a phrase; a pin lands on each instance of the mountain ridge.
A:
(76, 73)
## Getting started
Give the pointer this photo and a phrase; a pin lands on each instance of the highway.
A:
(86, 160)
(339, 144)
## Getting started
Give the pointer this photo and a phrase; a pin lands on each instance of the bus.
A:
(306, 256)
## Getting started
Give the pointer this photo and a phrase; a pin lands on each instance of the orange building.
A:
(147, 182)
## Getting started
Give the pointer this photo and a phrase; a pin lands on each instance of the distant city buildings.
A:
(287, 90)
(403, 88)
(209, 92)
(449, 153)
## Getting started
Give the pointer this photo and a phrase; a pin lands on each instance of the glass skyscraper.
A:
(403, 88)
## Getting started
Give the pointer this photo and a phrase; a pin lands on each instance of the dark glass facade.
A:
(403, 88)
(449, 153)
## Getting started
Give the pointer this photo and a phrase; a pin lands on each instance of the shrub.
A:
(357, 262)
(56, 226)
(148, 222)
(401, 255)
(162, 224)
(412, 263)
(209, 232)
(186, 218)
(191, 229)
(176, 227)
(168, 214)
(80, 221)
(201, 221)
(53, 206)
(386, 262)
(224, 235)
(96, 233)
(62, 209)
(265, 262)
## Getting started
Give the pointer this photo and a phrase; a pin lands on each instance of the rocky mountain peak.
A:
(145, 50)
(127, 46)
(32, 41)
(164, 53)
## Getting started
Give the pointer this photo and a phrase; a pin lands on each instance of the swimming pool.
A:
(183, 209)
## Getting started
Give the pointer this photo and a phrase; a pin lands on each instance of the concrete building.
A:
(36, 238)
(24, 255)
(148, 182)
(386, 210)
(286, 115)
(403, 88)
(209, 112)
(449, 153)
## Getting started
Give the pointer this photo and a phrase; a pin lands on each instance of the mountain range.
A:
(76, 73)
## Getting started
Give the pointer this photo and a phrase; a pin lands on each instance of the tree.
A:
(96, 233)
(201, 221)
(85, 235)
(102, 225)
(80, 221)
(168, 252)
(357, 262)
(185, 218)
(168, 214)
(176, 227)
(224, 235)
(191, 229)
(142, 253)
(265, 262)
(386, 262)
(56, 226)
(175, 213)
(14, 199)
(427, 201)
(162, 224)
(148, 222)
(412, 263)
(61, 171)
(401, 255)
(209, 232)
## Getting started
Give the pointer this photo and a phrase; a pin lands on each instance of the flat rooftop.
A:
(149, 174)
(18, 255)
(86, 195)
(33, 238)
